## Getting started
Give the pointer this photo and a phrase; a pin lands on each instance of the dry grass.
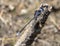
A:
(16, 16)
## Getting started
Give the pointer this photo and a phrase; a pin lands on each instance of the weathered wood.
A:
(29, 29)
(27, 32)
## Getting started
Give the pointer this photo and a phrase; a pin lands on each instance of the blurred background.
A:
(14, 14)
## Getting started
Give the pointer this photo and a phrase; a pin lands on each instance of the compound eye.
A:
(39, 10)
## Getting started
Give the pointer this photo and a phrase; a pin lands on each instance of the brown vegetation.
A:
(14, 14)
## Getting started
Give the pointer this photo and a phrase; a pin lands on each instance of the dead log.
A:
(30, 31)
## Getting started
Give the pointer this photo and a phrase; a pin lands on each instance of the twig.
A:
(1, 18)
